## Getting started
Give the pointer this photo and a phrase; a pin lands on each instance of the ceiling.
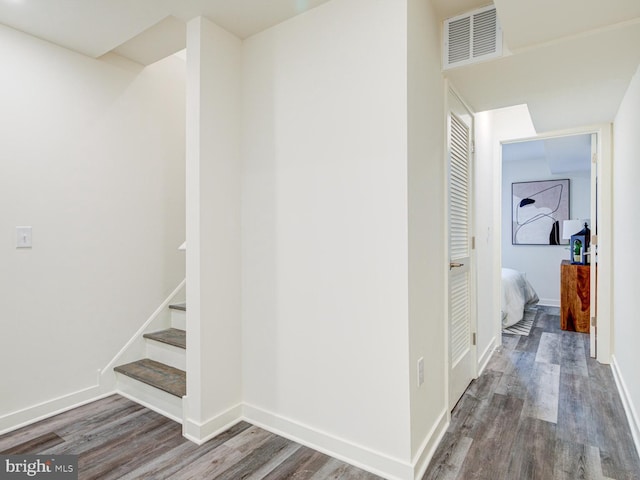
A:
(567, 154)
(569, 61)
(526, 23)
(95, 27)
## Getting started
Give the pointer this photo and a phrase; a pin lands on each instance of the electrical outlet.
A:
(420, 371)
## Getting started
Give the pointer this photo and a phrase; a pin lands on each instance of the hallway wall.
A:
(626, 288)
(325, 242)
(427, 264)
(92, 158)
(492, 128)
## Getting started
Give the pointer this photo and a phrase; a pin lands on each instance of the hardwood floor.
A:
(542, 409)
(116, 438)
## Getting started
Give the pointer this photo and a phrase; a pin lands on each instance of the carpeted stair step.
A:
(156, 374)
(170, 336)
(179, 306)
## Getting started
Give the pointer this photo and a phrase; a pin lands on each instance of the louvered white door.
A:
(461, 299)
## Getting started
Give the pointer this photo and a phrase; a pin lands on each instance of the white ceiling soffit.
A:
(526, 23)
(450, 8)
(95, 27)
(163, 39)
(576, 82)
(91, 27)
(243, 18)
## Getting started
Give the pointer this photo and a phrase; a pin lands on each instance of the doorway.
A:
(510, 125)
(556, 175)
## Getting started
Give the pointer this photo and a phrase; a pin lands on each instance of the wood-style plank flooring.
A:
(118, 439)
(543, 410)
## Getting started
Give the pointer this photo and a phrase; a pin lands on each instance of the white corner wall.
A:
(93, 159)
(540, 263)
(492, 128)
(487, 263)
(427, 262)
(324, 234)
(213, 230)
(626, 228)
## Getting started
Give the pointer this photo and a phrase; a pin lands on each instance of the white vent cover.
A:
(472, 37)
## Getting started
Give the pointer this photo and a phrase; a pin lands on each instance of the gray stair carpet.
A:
(179, 306)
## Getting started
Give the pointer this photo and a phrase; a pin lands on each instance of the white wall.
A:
(92, 157)
(541, 263)
(626, 288)
(213, 229)
(492, 128)
(427, 262)
(325, 242)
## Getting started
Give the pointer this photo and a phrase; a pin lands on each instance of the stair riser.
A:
(157, 400)
(168, 354)
(179, 319)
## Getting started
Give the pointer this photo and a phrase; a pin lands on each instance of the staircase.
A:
(159, 381)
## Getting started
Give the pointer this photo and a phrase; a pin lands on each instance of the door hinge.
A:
(473, 146)
(594, 158)
(594, 322)
(473, 243)
(594, 239)
(473, 338)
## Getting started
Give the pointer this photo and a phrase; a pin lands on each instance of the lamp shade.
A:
(569, 227)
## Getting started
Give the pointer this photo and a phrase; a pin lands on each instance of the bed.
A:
(517, 295)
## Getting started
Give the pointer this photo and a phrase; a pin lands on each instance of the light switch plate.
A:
(23, 237)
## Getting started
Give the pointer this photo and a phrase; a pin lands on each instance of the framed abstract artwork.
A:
(538, 211)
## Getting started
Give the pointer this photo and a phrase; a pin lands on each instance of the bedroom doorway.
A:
(572, 156)
(461, 287)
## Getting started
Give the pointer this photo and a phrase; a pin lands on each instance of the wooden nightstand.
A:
(575, 297)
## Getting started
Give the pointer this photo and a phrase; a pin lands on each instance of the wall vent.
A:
(472, 37)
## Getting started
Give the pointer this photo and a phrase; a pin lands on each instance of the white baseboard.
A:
(430, 444)
(357, 455)
(549, 302)
(200, 433)
(486, 356)
(632, 415)
(27, 416)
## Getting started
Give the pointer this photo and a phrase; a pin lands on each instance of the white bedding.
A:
(517, 294)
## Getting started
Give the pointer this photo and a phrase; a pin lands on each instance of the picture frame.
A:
(538, 210)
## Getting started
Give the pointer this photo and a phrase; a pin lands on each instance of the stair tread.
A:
(170, 336)
(179, 306)
(156, 374)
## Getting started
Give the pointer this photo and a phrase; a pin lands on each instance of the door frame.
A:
(604, 206)
(449, 89)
